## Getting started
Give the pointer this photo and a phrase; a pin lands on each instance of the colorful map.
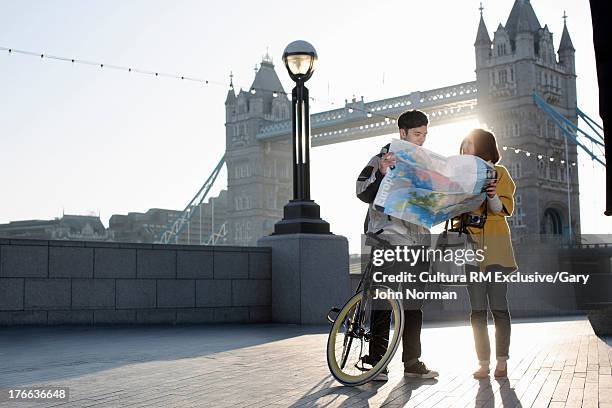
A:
(426, 188)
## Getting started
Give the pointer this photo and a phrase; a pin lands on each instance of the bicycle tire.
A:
(338, 372)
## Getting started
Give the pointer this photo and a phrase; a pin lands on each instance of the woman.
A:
(494, 238)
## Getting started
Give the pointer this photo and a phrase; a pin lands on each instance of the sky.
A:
(82, 140)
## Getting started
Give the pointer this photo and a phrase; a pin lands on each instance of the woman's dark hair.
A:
(485, 145)
(412, 119)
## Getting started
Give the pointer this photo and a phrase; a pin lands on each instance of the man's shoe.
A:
(382, 376)
(419, 370)
(367, 363)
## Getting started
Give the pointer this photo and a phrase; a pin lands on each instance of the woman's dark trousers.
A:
(485, 295)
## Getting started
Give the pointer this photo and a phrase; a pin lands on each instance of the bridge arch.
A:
(552, 222)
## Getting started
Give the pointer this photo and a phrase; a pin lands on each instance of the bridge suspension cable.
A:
(176, 227)
(591, 123)
(565, 124)
(217, 235)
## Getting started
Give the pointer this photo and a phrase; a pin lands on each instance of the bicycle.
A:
(351, 331)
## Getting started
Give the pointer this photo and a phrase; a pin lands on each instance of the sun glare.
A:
(445, 139)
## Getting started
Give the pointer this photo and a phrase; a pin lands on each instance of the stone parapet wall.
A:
(81, 282)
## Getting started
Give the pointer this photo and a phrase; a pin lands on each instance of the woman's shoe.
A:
(501, 369)
(481, 373)
(501, 373)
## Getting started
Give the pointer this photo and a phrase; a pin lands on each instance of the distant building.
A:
(141, 227)
(148, 227)
(134, 227)
(69, 227)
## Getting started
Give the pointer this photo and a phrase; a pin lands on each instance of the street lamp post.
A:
(300, 215)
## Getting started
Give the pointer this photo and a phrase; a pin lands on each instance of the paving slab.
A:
(267, 365)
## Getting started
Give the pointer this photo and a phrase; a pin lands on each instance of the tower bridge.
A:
(517, 62)
(358, 119)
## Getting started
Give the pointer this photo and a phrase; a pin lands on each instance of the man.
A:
(412, 128)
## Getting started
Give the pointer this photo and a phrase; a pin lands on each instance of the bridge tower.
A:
(258, 173)
(519, 61)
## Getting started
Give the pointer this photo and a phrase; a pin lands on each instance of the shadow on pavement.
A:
(484, 397)
(508, 396)
(328, 391)
(36, 354)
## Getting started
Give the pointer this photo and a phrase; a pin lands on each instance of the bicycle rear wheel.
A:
(350, 336)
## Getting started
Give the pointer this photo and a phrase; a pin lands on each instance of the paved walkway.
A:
(557, 363)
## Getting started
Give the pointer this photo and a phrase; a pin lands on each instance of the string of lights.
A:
(181, 77)
(101, 65)
(252, 90)
(538, 156)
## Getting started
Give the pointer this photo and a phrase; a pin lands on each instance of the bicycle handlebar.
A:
(383, 242)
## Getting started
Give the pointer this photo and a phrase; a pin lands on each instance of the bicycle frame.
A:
(354, 323)
(364, 286)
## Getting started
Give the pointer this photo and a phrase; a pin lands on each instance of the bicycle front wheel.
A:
(352, 333)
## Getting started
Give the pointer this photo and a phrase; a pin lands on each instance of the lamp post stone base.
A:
(310, 275)
(301, 217)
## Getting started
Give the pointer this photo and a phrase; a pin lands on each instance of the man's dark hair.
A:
(412, 119)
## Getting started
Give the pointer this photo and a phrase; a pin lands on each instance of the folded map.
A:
(426, 188)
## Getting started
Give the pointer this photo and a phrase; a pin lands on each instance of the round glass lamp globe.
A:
(299, 58)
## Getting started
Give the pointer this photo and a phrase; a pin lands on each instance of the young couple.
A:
(498, 205)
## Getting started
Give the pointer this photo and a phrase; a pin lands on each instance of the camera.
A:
(491, 177)
(491, 174)
(474, 220)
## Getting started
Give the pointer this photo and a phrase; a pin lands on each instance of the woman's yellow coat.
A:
(494, 238)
